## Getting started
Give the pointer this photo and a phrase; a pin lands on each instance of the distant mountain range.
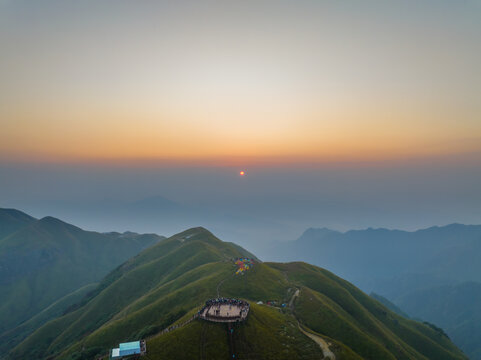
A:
(432, 274)
(47, 265)
(448, 253)
(166, 283)
(161, 215)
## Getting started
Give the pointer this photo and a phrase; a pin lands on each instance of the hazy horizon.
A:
(267, 204)
(343, 114)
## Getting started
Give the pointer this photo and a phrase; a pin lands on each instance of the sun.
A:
(242, 173)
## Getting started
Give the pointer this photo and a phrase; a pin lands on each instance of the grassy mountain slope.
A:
(47, 259)
(12, 337)
(425, 272)
(168, 282)
(143, 283)
(269, 334)
(332, 306)
(12, 220)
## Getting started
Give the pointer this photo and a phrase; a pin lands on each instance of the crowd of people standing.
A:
(241, 306)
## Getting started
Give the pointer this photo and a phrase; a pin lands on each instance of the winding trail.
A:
(327, 353)
(291, 303)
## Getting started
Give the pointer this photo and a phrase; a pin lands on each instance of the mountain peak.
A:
(198, 231)
(166, 285)
(12, 220)
(52, 220)
(51, 223)
(16, 214)
(317, 232)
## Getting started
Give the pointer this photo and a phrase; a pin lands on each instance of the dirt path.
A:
(291, 303)
(328, 354)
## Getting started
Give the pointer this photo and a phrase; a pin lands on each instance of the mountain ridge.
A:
(398, 264)
(454, 225)
(168, 282)
(44, 260)
(12, 220)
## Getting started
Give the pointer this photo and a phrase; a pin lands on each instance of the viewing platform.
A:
(224, 310)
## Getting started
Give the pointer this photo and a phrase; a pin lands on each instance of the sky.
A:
(368, 106)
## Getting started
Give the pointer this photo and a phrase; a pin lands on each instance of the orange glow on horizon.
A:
(218, 136)
(213, 93)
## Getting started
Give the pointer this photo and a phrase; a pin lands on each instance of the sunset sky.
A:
(239, 82)
(346, 114)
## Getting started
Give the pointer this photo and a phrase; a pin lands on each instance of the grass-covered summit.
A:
(168, 282)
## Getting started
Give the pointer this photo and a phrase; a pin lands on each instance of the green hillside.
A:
(14, 336)
(12, 220)
(43, 261)
(168, 282)
(432, 274)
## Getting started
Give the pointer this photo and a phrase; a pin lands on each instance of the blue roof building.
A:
(128, 349)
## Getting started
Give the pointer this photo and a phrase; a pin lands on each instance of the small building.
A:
(128, 349)
(115, 354)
